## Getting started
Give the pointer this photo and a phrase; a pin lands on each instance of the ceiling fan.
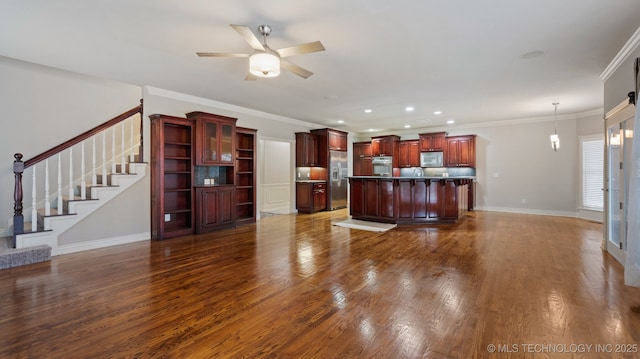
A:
(266, 62)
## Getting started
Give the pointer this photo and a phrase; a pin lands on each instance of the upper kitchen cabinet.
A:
(385, 145)
(409, 154)
(307, 150)
(215, 139)
(432, 142)
(460, 151)
(335, 140)
(362, 165)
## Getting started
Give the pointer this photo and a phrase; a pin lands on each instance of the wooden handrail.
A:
(83, 136)
(19, 166)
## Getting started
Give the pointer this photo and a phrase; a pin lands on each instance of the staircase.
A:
(114, 164)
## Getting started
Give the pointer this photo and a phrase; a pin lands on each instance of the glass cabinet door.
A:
(210, 142)
(226, 151)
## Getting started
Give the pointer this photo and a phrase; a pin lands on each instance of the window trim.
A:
(582, 139)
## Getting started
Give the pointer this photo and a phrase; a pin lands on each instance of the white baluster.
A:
(113, 150)
(47, 195)
(60, 206)
(34, 202)
(104, 158)
(71, 192)
(94, 175)
(83, 182)
(122, 154)
(132, 156)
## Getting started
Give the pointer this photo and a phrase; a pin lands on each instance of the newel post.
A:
(18, 218)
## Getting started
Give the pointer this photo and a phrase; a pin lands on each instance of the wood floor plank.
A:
(295, 286)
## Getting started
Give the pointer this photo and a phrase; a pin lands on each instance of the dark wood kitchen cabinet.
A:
(307, 150)
(362, 165)
(311, 196)
(460, 151)
(409, 153)
(216, 208)
(432, 142)
(215, 139)
(172, 175)
(335, 140)
(385, 145)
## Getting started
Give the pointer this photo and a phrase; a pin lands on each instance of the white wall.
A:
(41, 107)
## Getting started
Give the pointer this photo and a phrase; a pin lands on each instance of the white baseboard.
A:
(595, 216)
(6, 232)
(540, 212)
(102, 243)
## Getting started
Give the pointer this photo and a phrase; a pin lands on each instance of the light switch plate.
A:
(167, 217)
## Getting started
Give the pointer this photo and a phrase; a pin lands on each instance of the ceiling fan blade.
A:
(220, 54)
(304, 73)
(248, 36)
(301, 49)
(251, 77)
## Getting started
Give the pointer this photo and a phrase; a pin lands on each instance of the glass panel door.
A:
(620, 138)
(616, 194)
(211, 141)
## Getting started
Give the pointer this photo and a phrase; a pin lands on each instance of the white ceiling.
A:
(462, 57)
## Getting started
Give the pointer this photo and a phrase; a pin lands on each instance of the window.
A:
(592, 153)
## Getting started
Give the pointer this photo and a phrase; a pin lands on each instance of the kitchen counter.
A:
(415, 177)
(419, 199)
(311, 181)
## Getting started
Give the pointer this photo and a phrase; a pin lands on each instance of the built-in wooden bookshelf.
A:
(245, 172)
(172, 177)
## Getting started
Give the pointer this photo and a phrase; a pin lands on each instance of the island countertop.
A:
(406, 199)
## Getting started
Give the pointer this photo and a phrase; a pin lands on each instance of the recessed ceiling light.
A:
(340, 121)
(408, 108)
(407, 126)
(371, 130)
(451, 122)
(368, 110)
(437, 113)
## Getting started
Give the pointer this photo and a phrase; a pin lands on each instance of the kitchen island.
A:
(408, 200)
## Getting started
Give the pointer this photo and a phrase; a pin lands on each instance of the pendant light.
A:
(555, 140)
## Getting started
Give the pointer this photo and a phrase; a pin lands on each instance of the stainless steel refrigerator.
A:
(338, 171)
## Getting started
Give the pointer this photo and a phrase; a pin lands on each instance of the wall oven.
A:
(382, 165)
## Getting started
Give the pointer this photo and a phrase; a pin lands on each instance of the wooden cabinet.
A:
(311, 196)
(215, 208)
(384, 145)
(245, 172)
(372, 198)
(409, 154)
(432, 142)
(172, 176)
(215, 139)
(307, 150)
(460, 151)
(362, 165)
(331, 140)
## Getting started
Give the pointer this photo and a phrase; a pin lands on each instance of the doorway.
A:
(275, 177)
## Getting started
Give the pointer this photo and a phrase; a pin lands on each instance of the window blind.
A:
(592, 173)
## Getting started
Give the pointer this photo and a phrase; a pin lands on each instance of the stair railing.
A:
(99, 143)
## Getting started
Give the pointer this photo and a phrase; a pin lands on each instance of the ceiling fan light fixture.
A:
(264, 64)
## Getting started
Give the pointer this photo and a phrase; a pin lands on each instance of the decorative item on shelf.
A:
(555, 140)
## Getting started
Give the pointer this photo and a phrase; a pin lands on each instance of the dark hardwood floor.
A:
(294, 286)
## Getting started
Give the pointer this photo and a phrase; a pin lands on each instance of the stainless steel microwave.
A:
(431, 159)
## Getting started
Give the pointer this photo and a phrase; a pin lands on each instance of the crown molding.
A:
(622, 56)
(155, 91)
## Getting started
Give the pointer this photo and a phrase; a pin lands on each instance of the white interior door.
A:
(275, 177)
